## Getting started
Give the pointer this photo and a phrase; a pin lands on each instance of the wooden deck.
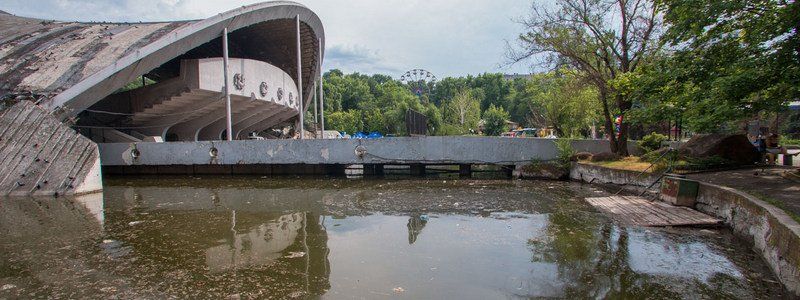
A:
(642, 212)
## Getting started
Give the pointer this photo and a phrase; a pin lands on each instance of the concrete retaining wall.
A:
(406, 150)
(774, 234)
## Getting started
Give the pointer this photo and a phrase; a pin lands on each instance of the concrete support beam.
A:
(465, 170)
(418, 170)
(374, 170)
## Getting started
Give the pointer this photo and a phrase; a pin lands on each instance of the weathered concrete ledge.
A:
(404, 150)
(630, 180)
(774, 234)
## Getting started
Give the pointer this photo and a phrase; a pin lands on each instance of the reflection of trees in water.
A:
(592, 258)
(415, 225)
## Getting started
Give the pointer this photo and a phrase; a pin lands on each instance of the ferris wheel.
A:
(419, 81)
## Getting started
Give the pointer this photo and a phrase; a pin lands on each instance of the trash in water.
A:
(295, 255)
(7, 287)
(399, 290)
(134, 223)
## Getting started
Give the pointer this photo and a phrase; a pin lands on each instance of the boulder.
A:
(581, 156)
(732, 147)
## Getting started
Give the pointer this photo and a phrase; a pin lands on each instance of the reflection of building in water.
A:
(257, 247)
(415, 226)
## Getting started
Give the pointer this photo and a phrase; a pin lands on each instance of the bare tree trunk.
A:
(622, 143)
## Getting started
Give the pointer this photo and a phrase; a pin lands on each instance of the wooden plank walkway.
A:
(642, 212)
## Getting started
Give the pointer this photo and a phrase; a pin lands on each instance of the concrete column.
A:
(418, 170)
(509, 170)
(300, 79)
(465, 170)
(228, 120)
(321, 93)
(373, 170)
(314, 90)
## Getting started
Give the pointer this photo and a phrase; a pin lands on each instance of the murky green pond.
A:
(371, 239)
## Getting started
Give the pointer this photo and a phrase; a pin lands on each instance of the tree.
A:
(562, 101)
(731, 60)
(497, 90)
(347, 121)
(495, 121)
(603, 39)
(463, 110)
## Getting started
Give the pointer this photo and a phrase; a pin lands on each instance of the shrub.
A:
(652, 142)
(495, 121)
(565, 151)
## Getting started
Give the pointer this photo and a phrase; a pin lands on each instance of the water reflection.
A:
(357, 239)
(415, 226)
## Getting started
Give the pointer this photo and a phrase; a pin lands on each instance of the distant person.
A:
(774, 148)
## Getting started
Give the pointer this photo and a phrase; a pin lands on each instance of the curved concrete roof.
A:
(77, 64)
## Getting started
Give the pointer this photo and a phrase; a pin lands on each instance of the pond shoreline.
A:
(771, 231)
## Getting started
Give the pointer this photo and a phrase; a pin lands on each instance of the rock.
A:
(732, 147)
(605, 156)
(581, 156)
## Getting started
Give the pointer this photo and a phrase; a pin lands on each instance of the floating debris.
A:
(295, 255)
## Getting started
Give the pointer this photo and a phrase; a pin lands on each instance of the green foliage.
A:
(732, 60)
(652, 142)
(136, 83)
(347, 121)
(463, 110)
(560, 100)
(565, 151)
(495, 121)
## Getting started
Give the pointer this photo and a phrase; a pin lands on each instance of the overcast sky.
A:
(446, 37)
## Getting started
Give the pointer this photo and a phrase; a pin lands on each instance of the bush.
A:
(652, 142)
(565, 151)
(495, 121)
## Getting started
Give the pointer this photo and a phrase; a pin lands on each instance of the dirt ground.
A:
(764, 183)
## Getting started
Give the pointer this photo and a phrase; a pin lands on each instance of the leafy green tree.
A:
(347, 121)
(463, 110)
(561, 100)
(435, 120)
(447, 88)
(497, 90)
(731, 60)
(495, 121)
(374, 120)
(603, 39)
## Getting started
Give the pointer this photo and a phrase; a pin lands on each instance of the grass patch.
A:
(777, 203)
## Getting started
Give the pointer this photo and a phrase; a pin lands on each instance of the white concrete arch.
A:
(99, 85)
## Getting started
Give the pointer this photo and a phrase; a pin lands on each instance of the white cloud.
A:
(446, 37)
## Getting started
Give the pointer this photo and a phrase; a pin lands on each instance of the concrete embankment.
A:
(773, 233)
